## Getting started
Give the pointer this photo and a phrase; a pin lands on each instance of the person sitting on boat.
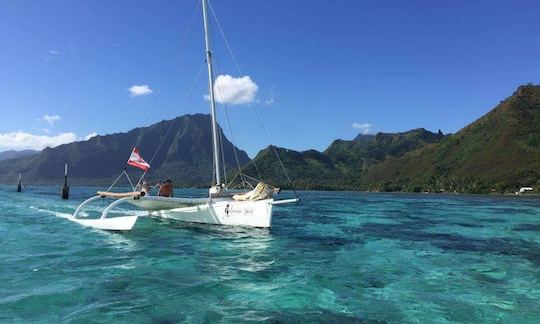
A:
(166, 189)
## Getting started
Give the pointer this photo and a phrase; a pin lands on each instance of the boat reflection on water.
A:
(240, 248)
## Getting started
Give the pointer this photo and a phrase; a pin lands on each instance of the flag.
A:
(137, 161)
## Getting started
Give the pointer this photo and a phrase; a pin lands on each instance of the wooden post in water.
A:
(19, 185)
(65, 187)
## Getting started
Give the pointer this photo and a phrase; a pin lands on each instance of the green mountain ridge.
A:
(368, 151)
(341, 164)
(185, 156)
(307, 170)
(498, 152)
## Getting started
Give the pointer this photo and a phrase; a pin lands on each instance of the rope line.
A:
(182, 43)
(233, 144)
(118, 178)
(233, 141)
(184, 37)
(277, 154)
(255, 104)
(224, 37)
(131, 183)
(174, 120)
(222, 155)
(226, 109)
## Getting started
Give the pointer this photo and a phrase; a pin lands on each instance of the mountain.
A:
(498, 152)
(341, 164)
(11, 154)
(353, 157)
(307, 170)
(185, 156)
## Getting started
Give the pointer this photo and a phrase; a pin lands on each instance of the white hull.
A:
(224, 212)
(218, 211)
(124, 223)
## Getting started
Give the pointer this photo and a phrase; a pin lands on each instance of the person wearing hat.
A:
(166, 189)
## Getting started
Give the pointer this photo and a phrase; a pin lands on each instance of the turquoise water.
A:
(338, 257)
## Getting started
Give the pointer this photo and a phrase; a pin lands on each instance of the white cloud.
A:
(45, 130)
(234, 91)
(50, 55)
(89, 136)
(269, 102)
(140, 90)
(22, 140)
(364, 128)
(51, 120)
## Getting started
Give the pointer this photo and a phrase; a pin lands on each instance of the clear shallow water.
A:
(339, 257)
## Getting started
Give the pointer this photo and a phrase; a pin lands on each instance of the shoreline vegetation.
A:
(534, 193)
(497, 154)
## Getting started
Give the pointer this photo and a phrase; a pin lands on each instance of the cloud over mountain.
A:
(364, 128)
(89, 136)
(21, 140)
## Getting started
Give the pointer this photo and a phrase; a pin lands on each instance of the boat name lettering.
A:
(247, 211)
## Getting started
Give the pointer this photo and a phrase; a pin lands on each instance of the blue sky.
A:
(320, 67)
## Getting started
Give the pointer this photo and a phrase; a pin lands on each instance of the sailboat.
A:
(222, 207)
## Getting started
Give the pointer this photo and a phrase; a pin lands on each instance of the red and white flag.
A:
(136, 160)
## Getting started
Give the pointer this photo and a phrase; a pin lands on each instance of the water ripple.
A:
(336, 257)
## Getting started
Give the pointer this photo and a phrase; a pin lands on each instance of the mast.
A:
(211, 91)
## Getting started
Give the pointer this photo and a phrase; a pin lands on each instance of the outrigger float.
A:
(223, 207)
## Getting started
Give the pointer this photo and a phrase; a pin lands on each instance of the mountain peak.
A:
(184, 155)
(529, 89)
(364, 138)
(498, 151)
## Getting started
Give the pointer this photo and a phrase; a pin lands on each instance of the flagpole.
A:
(136, 160)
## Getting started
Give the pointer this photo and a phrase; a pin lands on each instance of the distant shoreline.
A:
(304, 190)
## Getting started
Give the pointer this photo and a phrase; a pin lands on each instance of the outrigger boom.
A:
(123, 223)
